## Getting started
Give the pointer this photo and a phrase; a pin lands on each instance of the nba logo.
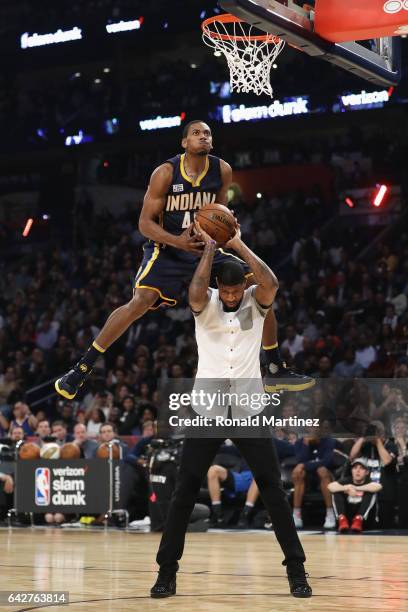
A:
(42, 486)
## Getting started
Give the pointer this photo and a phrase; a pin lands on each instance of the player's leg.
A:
(279, 376)
(246, 512)
(325, 479)
(215, 476)
(117, 323)
(196, 459)
(262, 458)
(299, 483)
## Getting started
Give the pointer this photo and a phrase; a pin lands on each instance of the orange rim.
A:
(228, 18)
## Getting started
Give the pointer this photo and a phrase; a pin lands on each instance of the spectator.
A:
(108, 432)
(47, 335)
(23, 418)
(392, 407)
(88, 447)
(4, 425)
(354, 498)
(315, 458)
(67, 415)
(17, 434)
(6, 494)
(43, 430)
(129, 420)
(234, 482)
(400, 430)
(365, 353)
(94, 418)
(348, 367)
(8, 384)
(381, 454)
(59, 431)
(293, 341)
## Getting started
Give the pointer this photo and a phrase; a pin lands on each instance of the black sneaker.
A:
(297, 577)
(243, 521)
(165, 586)
(69, 384)
(287, 380)
(217, 521)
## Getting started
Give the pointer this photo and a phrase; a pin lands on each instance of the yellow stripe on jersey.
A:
(189, 179)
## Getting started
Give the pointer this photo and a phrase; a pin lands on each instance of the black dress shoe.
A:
(297, 577)
(165, 586)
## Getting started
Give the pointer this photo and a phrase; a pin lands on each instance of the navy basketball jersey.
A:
(185, 197)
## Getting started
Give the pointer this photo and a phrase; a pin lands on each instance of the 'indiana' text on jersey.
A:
(186, 196)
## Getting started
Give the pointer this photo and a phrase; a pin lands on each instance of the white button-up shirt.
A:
(228, 354)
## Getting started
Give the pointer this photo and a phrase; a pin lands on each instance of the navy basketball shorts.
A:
(168, 271)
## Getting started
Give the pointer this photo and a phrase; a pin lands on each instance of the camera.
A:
(371, 431)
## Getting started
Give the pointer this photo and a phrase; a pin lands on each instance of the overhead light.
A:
(274, 66)
(193, 66)
(106, 70)
(259, 195)
(217, 53)
(77, 75)
(97, 81)
(379, 198)
(27, 227)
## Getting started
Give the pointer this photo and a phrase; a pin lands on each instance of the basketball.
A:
(50, 451)
(70, 450)
(29, 451)
(217, 221)
(103, 451)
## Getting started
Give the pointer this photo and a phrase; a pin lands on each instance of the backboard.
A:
(378, 60)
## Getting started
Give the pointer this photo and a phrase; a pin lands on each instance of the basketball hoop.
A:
(249, 53)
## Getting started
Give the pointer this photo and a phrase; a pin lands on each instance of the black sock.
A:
(273, 355)
(87, 362)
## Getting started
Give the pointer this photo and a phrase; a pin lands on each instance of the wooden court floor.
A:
(110, 570)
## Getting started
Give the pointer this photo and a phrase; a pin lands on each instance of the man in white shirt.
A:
(229, 322)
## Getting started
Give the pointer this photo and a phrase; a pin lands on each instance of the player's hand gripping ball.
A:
(217, 221)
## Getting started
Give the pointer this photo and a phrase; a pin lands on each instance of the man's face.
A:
(17, 434)
(290, 332)
(59, 432)
(80, 433)
(198, 140)
(231, 295)
(107, 434)
(19, 410)
(359, 472)
(43, 429)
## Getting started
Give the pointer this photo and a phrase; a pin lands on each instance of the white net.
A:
(250, 54)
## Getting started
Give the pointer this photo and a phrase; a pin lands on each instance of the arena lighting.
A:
(293, 106)
(379, 198)
(160, 122)
(77, 139)
(27, 227)
(40, 40)
(349, 202)
(259, 195)
(124, 26)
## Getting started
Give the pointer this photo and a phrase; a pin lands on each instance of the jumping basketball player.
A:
(229, 322)
(177, 188)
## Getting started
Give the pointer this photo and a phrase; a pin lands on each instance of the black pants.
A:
(197, 457)
(341, 505)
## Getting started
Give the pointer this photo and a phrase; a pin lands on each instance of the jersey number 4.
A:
(187, 221)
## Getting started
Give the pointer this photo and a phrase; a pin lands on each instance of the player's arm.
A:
(153, 205)
(266, 282)
(226, 177)
(198, 293)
